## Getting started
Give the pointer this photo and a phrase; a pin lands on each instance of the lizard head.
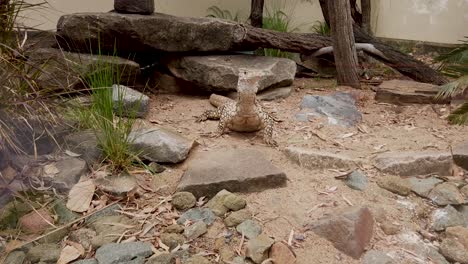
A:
(249, 81)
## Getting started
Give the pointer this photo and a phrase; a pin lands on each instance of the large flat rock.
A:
(221, 72)
(415, 163)
(236, 170)
(339, 108)
(61, 70)
(318, 159)
(147, 33)
(460, 155)
(407, 92)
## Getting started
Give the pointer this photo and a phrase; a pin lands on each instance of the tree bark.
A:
(366, 16)
(256, 13)
(394, 58)
(344, 49)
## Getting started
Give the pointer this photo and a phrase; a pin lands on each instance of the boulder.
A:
(196, 230)
(257, 249)
(161, 145)
(129, 102)
(183, 200)
(85, 144)
(423, 187)
(61, 70)
(357, 180)
(250, 229)
(407, 92)
(350, 231)
(339, 108)
(236, 170)
(419, 248)
(238, 217)
(36, 221)
(415, 163)
(377, 257)
(48, 253)
(445, 217)
(144, 7)
(146, 34)
(197, 214)
(123, 253)
(317, 159)
(221, 72)
(460, 155)
(64, 173)
(446, 193)
(395, 184)
(172, 240)
(282, 253)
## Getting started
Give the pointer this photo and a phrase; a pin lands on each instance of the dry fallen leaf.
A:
(51, 169)
(72, 154)
(68, 254)
(80, 196)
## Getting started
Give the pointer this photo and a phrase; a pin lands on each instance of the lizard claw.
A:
(201, 119)
(271, 142)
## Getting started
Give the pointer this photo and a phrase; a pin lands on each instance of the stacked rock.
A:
(142, 7)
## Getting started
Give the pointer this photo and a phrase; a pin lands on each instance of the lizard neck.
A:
(246, 103)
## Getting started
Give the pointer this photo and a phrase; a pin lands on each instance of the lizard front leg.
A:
(209, 114)
(268, 123)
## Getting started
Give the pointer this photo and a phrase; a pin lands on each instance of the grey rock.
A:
(163, 258)
(415, 163)
(237, 217)
(463, 209)
(257, 249)
(84, 143)
(86, 261)
(169, 258)
(106, 227)
(197, 260)
(274, 94)
(413, 242)
(445, 217)
(221, 72)
(340, 109)
(236, 170)
(64, 214)
(118, 185)
(123, 253)
(446, 193)
(395, 184)
(350, 230)
(172, 240)
(109, 211)
(197, 214)
(251, 229)
(147, 34)
(174, 228)
(69, 173)
(377, 257)
(239, 260)
(12, 212)
(316, 159)
(401, 92)
(15, 257)
(161, 145)
(234, 202)
(216, 204)
(129, 102)
(196, 230)
(460, 155)
(83, 236)
(183, 200)
(144, 7)
(61, 69)
(48, 253)
(423, 187)
(357, 180)
(454, 251)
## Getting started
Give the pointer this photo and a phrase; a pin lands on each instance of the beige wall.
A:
(444, 21)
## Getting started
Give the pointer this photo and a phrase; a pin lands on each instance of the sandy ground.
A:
(311, 194)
